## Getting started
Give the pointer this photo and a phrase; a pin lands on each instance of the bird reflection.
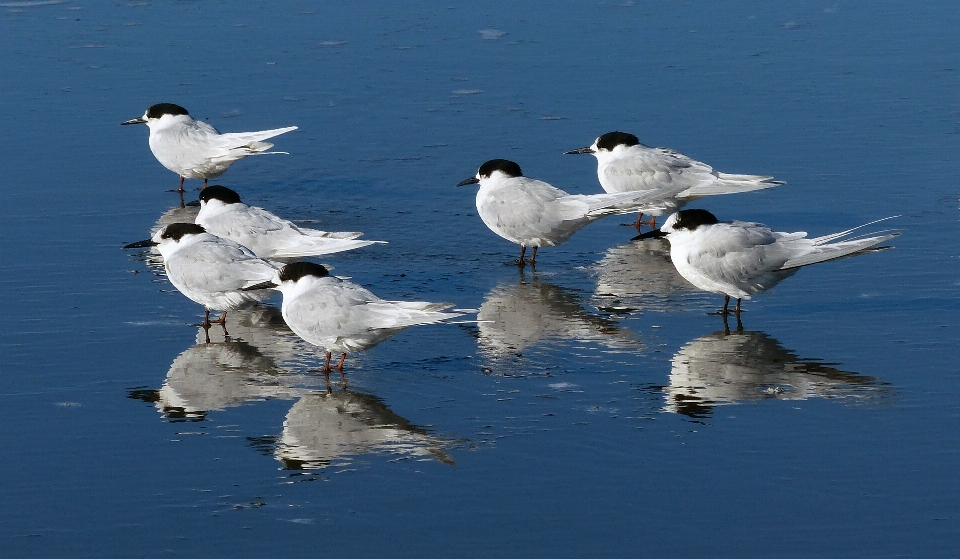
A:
(328, 428)
(732, 367)
(640, 275)
(515, 315)
(174, 215)
(228, 371)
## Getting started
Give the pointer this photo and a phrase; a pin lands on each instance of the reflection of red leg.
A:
(339, 367)
(652, 222)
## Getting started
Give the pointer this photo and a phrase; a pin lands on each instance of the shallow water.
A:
(604, 412)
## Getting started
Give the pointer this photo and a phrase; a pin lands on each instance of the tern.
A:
(268, 236)
(740, 259)
(210, 270)
(341, 316)
(532, 213)
(626, 165)
(195, 150)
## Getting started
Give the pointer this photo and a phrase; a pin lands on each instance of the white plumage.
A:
(533, 213)
(268, 236)
(626, 165)
(210, 270)
(341, 316)
(741, 259)
(195, 150)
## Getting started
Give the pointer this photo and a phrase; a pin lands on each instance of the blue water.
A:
(604, 412)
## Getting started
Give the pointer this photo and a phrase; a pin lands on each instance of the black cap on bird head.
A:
(176, 231)
(297, 270)
(160, 109)
(219, 192)
(505, 166)
(691, 219)
(611, 140)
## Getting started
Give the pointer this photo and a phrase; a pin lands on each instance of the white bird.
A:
(741, 259)
(268, 236)
(626, 165)
(210, 270)
(195, 150)
(340, 316)
(533, 213)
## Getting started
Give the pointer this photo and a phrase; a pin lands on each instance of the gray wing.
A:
(748, 255)
(525, 210)
(250, 143)
(664, 168)
(342, 315)
(218, 265)
(647, 168)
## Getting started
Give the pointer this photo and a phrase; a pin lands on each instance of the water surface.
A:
(604, 412)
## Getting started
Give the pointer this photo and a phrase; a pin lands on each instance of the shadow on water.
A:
(259, 360)
(329, 428)
(639, 276)
(516, 315)
(727, 367)
(253, 363)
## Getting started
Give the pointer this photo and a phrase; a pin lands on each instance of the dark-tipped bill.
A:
(138, 120)
(261, 285)
(471, 180)
(587, 149)
(142, 244)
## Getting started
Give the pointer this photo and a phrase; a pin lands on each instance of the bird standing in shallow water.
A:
(210, 270)
(339, 315)
(195, 150)
(740, 259)
(533, 213)
(626, 165)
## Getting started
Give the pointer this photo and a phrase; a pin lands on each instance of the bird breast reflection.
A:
(250, 364)
(174, 215)
(728, 368)
(639, 275)
(327, 428)
(515, 315)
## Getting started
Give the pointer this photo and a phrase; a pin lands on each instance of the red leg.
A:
(521, 261)
(222, 321)
(204, 183)
(181, 186)
(326, 368)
